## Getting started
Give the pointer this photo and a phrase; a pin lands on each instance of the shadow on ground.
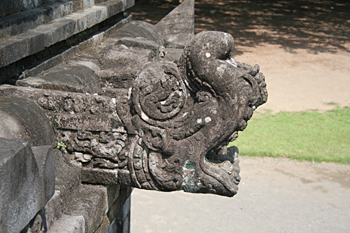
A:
(314, 25)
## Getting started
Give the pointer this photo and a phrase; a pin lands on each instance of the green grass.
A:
(312, 136)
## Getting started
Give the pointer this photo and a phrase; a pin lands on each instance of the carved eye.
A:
(225, 55)
(247, 78)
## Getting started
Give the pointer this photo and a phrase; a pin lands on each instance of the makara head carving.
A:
(170, 130)
(185, 115)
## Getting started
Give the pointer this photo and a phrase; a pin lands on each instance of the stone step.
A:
(15, 24)
(45, 35)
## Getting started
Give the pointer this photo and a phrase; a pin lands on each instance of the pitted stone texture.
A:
(175, 121)
(13, 6)
(43, 36)
(65, 77)
(53, 209)
(68, 178)
(172, 55)
(120, 64)
(18, 23)
(89, 202)
(68, 224)
(140, 29)
(20, 185)
(22, 119)
(45, 158)
(177, 28)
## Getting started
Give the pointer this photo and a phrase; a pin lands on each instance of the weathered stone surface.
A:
(172, 127)
(68, 177)
(43, 36)
(98, 176)
(20, 185)
(90, 203)
(68, 224)
(53, 210)
(18, 23)
(45, 158)
(177, 28)
(66, 77)
(120, 64)
(105, 225)
(172, 55)
(139, 29)
(140, 43)
(66, 55)
(14, 6)
(22, 119)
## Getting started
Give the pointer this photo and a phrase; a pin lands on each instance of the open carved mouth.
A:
(222, 164)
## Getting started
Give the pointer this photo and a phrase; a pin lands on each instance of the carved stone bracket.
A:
(167, 132)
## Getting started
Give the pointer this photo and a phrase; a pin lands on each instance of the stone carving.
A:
(186, 115)
(167, 132)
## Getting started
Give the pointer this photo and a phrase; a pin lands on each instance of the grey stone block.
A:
(120, 64)
(68, 224)
(13, 6)
(70, 53)
(18, 23)
(89, 202)
(139, 29)
(20, 185)
(53, 209)
(140, 43)
(103, 228)
(172, 55)
(99, 176)
(23, 119)
(177, 27)
(57, 30)
(68, 177)
(45, 158)
(65, 77)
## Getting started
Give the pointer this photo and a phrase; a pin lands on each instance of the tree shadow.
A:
(314, 25)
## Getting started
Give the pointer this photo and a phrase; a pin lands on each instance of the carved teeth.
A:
(233, 136)
(227, 166)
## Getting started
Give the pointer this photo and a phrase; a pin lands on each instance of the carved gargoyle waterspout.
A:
(167, 132)
(185, 117)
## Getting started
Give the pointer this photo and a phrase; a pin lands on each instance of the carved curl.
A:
(186, 115)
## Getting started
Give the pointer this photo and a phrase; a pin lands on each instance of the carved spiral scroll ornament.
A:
(159, 93)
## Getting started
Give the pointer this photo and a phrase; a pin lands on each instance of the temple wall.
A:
(66, 68)
(40, 191)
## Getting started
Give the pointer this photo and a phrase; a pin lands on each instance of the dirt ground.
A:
(302, 47)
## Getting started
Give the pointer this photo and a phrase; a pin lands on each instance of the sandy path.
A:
(301, 80)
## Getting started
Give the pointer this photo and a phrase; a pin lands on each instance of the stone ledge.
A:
(36, 40)
(70, 53)
(52, 57)
(18, 23)
(9, 7)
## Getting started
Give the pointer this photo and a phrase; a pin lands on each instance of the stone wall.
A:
(40, 190)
